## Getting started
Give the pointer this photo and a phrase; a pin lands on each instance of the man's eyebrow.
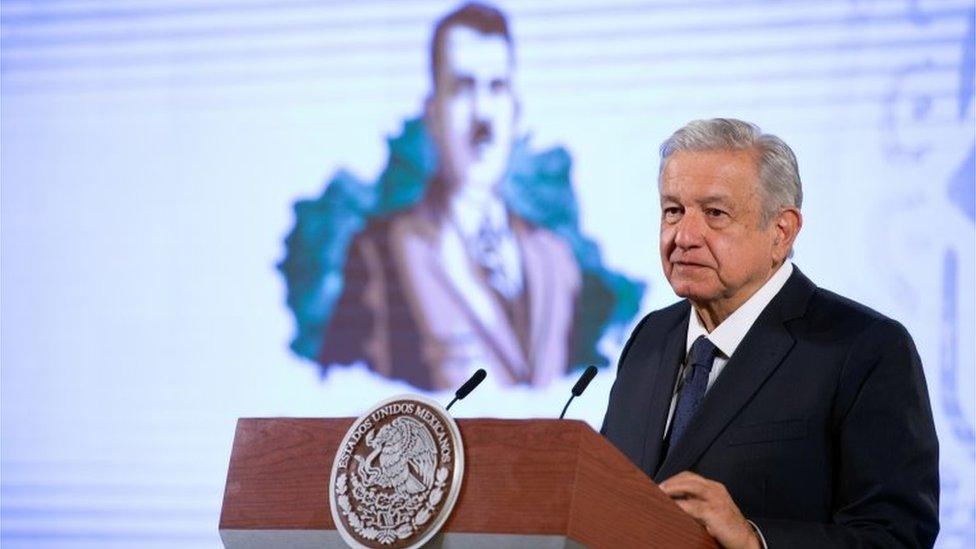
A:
(709, 199)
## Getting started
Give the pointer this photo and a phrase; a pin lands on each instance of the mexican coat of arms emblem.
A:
(397, 474)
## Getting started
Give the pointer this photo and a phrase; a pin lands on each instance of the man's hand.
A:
(709, 503)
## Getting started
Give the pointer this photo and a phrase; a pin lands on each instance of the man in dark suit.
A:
(774, 412)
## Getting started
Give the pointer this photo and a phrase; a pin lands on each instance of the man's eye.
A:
(672, 212)
(463, 85)
(499, 86)
(714, 212)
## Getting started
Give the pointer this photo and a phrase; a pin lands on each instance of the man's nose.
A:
(689, 230)
(479, 103)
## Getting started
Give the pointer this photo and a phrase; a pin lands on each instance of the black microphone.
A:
(580, 386)
(469, 386)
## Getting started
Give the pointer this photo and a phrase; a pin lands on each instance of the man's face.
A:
(714, 248)
(472, 112)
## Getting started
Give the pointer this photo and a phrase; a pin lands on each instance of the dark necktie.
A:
(696, 381)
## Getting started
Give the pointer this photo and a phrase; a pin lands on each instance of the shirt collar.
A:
(729, 334)
(469, 215)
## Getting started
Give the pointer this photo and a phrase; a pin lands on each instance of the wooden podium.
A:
(527, 483)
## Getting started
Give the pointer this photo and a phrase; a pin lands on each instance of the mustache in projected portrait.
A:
(466, 253)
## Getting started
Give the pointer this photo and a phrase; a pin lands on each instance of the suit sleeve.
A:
(886, 488)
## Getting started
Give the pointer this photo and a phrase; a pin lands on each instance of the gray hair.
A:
(779, 177)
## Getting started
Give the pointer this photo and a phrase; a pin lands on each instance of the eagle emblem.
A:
(403, 458)
(397, 474)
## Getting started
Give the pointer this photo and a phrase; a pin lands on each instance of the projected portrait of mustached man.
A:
(459, 281)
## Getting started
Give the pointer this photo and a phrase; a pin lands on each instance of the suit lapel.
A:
(452, 268)
(538, 287)
(759, 355)
(661, 392)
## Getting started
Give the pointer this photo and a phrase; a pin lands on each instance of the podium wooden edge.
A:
(603, 486)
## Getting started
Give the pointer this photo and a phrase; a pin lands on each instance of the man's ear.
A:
(787, 225)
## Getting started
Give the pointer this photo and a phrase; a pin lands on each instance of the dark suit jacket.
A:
(819, 426)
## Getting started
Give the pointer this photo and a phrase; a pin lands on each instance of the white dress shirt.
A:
(729, 334)
(469, 216)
